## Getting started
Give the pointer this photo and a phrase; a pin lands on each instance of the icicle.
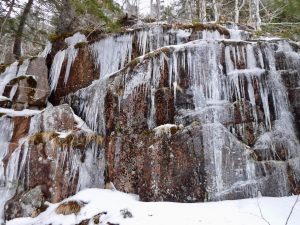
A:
(228, 61)
(142, 37)
(7, 76)
(251, 61)
(235, 33)
(46, 50)
(56, 68)
(120, 50)
(6, 128)
(23, 68)
(71, 56)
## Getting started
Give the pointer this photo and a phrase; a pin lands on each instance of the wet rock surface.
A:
(207, 118)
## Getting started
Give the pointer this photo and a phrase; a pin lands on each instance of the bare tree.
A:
(215, 6)
(288, 218)
(237, 8)
(254, 16)
(201, 10)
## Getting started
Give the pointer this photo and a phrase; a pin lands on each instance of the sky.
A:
(144, 5)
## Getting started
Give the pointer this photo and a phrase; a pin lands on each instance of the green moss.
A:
(2, 114)
(3, 67)
(174, 130)
(196, 26)
(148, 133)
(133, 63)
(285, 30)
(21, 61)
(81, 44)
(59, 37)
(42, 137)
(33, 58)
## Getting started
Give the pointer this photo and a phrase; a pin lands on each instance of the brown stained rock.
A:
(57, 119)
(69, 207)
(84, 222)
(22, 91)
(96, 218)
(21, 128)
(26, 204)
(37, 67)
(157, 168)
(48, 156)
(164, 106)
(30, 89)
(6, 103)
(82, 73)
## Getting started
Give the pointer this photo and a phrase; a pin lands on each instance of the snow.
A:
(25, 112)
(164, 129)
(235, 212)
(64, 134)
(81, 124)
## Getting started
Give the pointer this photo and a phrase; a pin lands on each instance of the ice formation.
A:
(224, 77)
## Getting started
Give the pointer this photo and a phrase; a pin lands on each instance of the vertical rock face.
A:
(232, 92)
(178, 113)
(45, 155)
(25, 85)
(53, 154)
(80, 63)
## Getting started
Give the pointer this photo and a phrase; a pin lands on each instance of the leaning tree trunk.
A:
(255, 19)
(20, 31)
(6, 17)
(201, 10)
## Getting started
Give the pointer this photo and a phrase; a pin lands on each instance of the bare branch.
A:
(260, 211)
(287, 220)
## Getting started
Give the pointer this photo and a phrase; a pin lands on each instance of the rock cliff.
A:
(178, 113)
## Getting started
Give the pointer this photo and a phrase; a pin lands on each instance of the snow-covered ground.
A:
(257, 211)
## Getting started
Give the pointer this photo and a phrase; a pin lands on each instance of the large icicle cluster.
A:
(123, 47)
(72, 157)
(236, 86)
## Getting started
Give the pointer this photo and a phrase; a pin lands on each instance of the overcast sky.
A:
(144, 5)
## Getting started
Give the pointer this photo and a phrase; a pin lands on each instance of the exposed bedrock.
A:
(234, 98)
(174, 113)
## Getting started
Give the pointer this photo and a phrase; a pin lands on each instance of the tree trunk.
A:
(236, 11)
(7, 16)
(151, 8)
(201, 10)
(255, 20)
(216, 11)
(158, 9)
(19, 33)
(67, 18)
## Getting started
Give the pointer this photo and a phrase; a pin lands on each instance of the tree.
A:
(19, 33)
(254, 16)
(10, 9)
(201, 10)
(238, 5)
(74, 14)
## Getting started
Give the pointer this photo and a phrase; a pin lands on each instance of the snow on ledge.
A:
(25, 112)
(165, 129)
(233, 212)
